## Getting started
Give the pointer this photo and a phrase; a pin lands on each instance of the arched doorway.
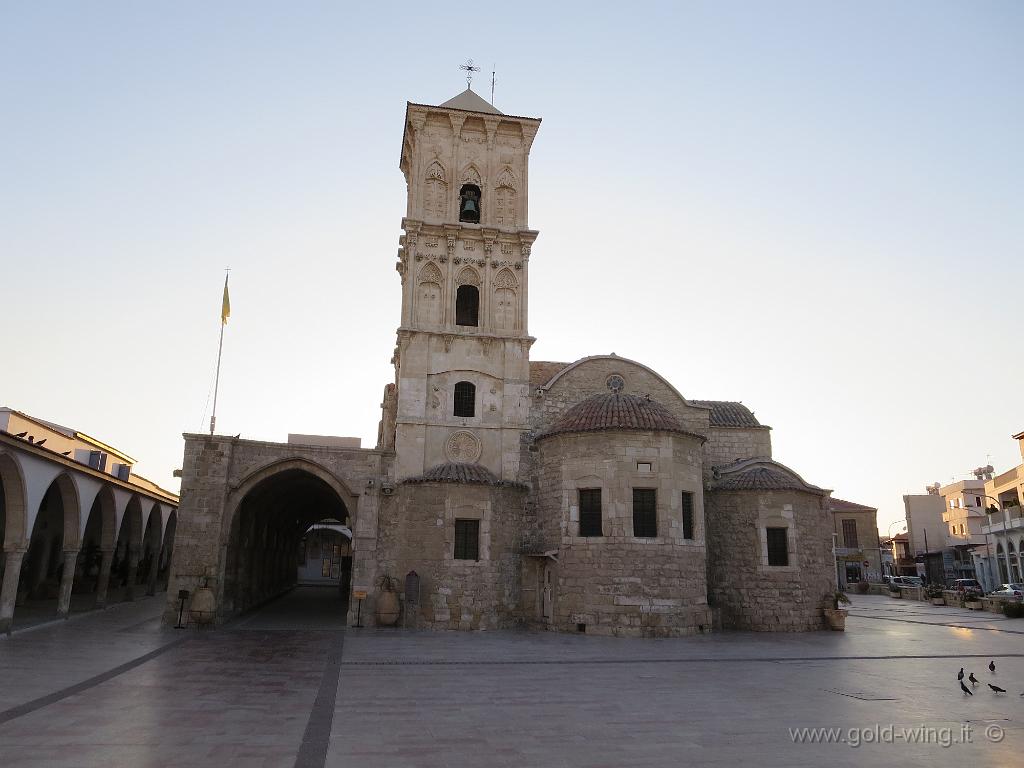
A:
(267, 528)
(125, 563)
(325, 555)
(43, 569)
(150, 551)
(97, 540)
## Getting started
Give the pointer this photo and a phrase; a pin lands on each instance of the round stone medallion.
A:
(615, 383)
(463, 446)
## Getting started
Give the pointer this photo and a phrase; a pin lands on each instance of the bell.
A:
(470, 211)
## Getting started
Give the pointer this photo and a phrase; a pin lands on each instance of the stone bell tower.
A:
(462, 357)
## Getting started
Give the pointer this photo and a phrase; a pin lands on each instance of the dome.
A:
(615, 411)
(455, 472)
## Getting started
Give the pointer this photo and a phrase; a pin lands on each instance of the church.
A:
(580, 496)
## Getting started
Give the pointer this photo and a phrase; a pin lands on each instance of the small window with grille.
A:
(778, 548)
(465, 399)
(590, 512)
(467, 539)
(687, 515)
(645, 513)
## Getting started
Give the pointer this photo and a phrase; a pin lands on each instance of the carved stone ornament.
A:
(615, 383)
(519, 265)
(431, 242)
(456, 261)
(505, 279)
(488, 246)
(451, 242)
(526, 249)
(463, 447)
(506, 248)
(448, 339)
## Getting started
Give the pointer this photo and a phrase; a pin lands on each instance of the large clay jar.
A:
(204, 606)
(387, 608)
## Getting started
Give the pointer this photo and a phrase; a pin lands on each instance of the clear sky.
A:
(812, 207)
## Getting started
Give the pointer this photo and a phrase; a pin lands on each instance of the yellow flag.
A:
(225, 306)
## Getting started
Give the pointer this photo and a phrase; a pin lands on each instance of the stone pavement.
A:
(289, 686)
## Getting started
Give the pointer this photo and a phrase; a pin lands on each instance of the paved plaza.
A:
(289, 685)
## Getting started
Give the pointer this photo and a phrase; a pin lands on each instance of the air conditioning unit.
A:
(98, 460)
(123, 471)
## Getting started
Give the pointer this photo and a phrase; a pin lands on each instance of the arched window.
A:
(469, 203)
(467, 305)
(465, 399)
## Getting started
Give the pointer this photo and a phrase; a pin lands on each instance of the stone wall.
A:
(217, 472)
(417, 533)
(745, 591)
(728, 444)
(616, 583)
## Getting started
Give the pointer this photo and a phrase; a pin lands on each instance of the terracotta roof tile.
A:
(761, 479)
(457, 472)
(725, 413)
(616, 410)
(541, 372)
(841, 505)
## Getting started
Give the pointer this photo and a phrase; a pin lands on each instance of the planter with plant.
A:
(835, 615)
(863, 587)
(934, 593)
(387, 608)
(894, 591)
(972, 601)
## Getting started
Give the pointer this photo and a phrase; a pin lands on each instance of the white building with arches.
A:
(75, 520)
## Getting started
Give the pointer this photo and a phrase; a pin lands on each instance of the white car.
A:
(1013, 591)
(907, 581)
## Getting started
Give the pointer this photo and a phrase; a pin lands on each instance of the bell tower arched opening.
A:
(469, 204)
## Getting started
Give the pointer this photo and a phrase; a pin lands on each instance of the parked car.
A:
(968, 587)
(907, 581)
(1012, 591)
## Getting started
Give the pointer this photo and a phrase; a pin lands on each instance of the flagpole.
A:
(220, 348)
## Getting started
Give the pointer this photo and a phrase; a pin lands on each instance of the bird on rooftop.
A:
(65, 453)
(960, 675)
(996, 688)
(965, 689)
(31, 438)
(21, 434)
(991, 666)
(973, 679)
(40, 442)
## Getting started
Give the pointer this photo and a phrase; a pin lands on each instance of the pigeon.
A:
(965, 689)
(21, 434)
(40, 442)
(960, 676)
(995, 688)
(65, 453)
(991, 666)
(973, 679)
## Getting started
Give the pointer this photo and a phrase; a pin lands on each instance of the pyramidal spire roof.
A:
(471, 102)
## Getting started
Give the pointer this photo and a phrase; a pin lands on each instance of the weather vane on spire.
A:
(470, 69)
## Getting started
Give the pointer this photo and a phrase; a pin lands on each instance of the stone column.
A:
(133, 573)
(103, 580)
(67, 580)
(154, 569)
(9, 591)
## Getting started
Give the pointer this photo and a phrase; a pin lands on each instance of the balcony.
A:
(999, 524)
